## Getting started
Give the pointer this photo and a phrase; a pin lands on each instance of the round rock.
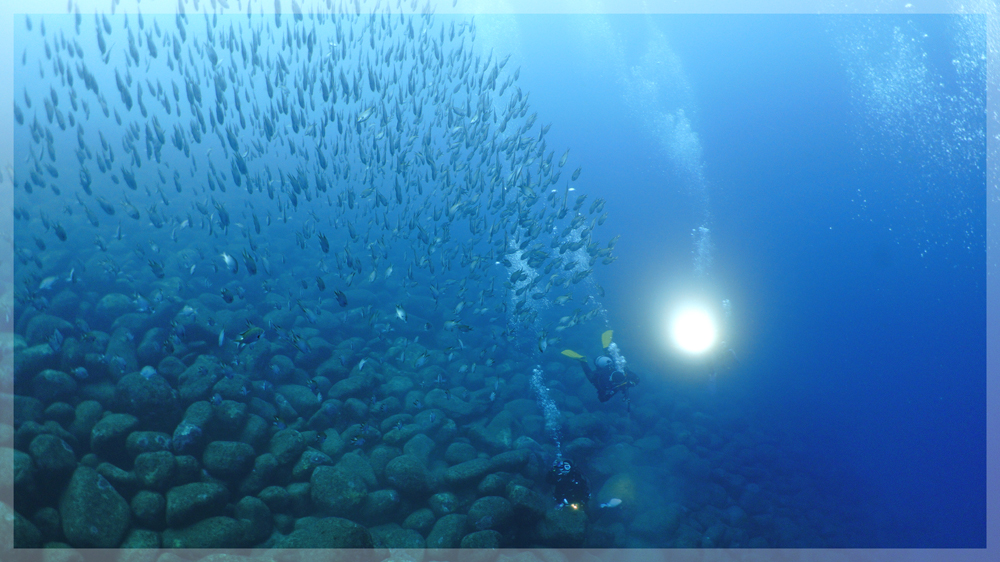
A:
(337, 491)
(93, 514)
(228, 459)
(407, 474)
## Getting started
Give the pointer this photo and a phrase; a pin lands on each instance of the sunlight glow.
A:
(693, 330)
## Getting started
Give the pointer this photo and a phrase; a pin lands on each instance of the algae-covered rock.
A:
(447, 532)
(458, 453)
(466, 473)
(510, 461)
(356, 463)
(394, 537)
(196, 382)
(528, 505)
(189, 435)
(264, 467)
(139, 442)
(149, 509)
(53, 386)
(156, 470)
(230, 419)
(108, 436)
(337, 491)
(308, 461)
(302, 400)
(170, 368)
(356, 387)
(88, 413)
(443, 503)
(256, 432)
(27, 409)
(227, 460)
(26, 534)
(137, 541)
(563, 528)
(380, 506)
(195, 501)
(53, 457)
(150, 349)
(421, 520)
(150, 399)
(41, 327)
(214, 532)
(287, 445)
(379, 458)
(25, 487)
(255, 517)
(93, 514)
(47, 521)
(59, 412)
(124, 481)
(490, 512)
(498, 435)
(420, 446)
(494, 484)
(329, 532)
(488, 539)
(275, 498)
(281, 367)
(109, 308)
(407, 474)
(453, 406)
(30, 360)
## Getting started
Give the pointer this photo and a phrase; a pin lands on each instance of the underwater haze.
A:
(375, 274)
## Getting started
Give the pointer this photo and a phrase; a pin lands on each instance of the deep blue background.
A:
(858, 298)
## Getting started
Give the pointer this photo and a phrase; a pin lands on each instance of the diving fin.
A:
(606, 339)
(573, 355)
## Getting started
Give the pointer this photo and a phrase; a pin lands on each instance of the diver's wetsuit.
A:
(571, 487)
(608, 381)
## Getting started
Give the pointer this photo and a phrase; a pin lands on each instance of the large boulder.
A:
(490, 512)
(407, 474)
(329, 532)
(42, 327)
(192, 502)
(53, 457)
(228, 460)
(447, 532)
(107, 439)
(53, 386)
(466, 473)
(156, 470)
(337, 491)
(563, 528)
(93, 513)
(151, 399)
(110, 307)
(214, 532)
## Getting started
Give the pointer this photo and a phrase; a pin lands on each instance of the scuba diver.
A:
(571, 487)
(604, 375)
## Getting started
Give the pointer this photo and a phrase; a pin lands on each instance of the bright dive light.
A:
(693, 330)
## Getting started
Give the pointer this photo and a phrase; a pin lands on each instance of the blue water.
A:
(823, 174)
(849, 230)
